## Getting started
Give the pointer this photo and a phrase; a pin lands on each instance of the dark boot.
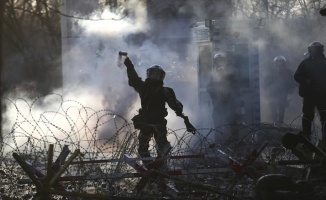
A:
(145, 154)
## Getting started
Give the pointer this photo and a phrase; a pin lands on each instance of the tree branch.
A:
(80, 18)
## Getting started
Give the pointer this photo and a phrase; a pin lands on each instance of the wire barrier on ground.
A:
(208, 165)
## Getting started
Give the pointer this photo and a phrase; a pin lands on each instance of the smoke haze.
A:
(90, 58)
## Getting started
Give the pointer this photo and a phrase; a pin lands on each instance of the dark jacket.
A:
(153, 96)
(311, 76)
(278, 82)
(223, 86)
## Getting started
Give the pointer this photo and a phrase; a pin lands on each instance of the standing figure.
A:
(151, 118)
(311, 75)
(224, 91)
(279, 85)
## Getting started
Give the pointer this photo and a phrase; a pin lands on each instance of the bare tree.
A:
(2, 6)
(281, 9)
(31, 35)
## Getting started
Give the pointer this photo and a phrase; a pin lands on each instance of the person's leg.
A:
(281, 112)
(233, 119)
(321, 106)
(282, 103)
(308, 110)
(143, 138)
(160, 136)
(217, 117)
(273, 109)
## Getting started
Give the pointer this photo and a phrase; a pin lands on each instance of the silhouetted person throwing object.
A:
(311, 76)
(278, 84)
(151, 118)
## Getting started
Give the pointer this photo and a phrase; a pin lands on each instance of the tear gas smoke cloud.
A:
(109, 79)
(92, 78)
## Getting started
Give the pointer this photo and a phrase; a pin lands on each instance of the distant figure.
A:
(151, 118)
(311, 76)
(279, 85)
(224, 91)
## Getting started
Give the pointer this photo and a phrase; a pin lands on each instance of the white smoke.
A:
(92, 78)
(93, 81)
(111, 81)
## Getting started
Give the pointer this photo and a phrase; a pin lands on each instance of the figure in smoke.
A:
(311, 75)
(224, 91)
(151, 118)
(279, 85)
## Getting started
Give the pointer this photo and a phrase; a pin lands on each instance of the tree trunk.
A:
(2, 8)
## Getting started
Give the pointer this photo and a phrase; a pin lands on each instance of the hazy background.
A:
(71, 48)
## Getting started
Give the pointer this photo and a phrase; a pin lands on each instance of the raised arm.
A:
(133, 79)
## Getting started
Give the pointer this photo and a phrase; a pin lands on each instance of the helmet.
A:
(315, 47)
(279, 59)
(219, 59)
(316, 44)
(219, 55)
(156, 73)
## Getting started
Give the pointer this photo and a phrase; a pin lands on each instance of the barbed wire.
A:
(104, 137)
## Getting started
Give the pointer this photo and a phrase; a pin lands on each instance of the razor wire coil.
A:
(103, 135)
